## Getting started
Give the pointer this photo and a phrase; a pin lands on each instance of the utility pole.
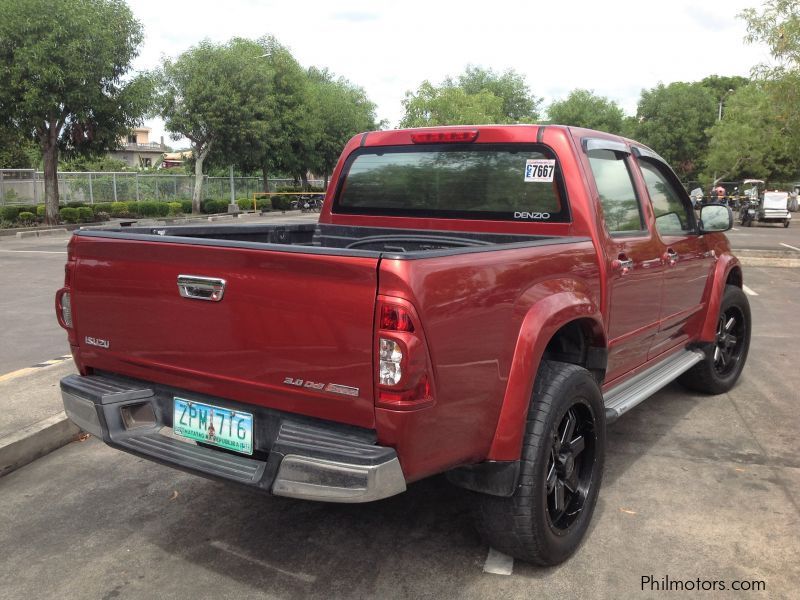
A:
(233, 207)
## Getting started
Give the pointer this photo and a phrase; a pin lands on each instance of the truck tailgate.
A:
(288, 326)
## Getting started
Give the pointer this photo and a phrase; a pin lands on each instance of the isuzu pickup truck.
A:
(476, 301)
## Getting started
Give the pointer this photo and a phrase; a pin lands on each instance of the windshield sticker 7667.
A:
(539, 169)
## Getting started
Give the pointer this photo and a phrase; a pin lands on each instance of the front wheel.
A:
(561, 468)
(725, 357)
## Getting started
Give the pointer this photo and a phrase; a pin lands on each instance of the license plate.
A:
(230, 429)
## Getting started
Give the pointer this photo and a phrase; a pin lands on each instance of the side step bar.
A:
(620, 399)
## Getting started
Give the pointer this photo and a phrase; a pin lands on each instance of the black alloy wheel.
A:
(569, 471)
(730, 340)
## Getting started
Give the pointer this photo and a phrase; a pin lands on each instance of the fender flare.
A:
(723, 268)
(542, 320)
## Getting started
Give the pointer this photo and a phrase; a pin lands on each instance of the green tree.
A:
(722, 85)
(476, 96)
(65, 77)
(518, 104)
(343, 110)
(280, 138)
(583, 108)
(673, 119)
(777, 25)
(213, 94)
(17, 151)
(748, 142)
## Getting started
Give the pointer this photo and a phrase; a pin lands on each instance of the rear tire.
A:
(786, 223)
(725, 358)
(561, 469)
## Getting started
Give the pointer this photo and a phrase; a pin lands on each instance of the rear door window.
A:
(621, 208)
(520, 182)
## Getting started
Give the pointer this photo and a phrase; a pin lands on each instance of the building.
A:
(138, 151)
(176, 159)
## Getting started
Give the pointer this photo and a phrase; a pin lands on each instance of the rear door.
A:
(292, 330)
(687, 259)
(634, 265)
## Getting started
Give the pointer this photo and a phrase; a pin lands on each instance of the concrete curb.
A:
(41, 233)
(34, 441)
(767, 258)
(758, 261)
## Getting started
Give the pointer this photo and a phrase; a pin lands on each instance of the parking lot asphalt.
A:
(766, 236)
(695, 487)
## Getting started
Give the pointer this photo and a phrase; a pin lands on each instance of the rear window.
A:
(481, 181)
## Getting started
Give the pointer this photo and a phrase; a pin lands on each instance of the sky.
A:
(615, 48)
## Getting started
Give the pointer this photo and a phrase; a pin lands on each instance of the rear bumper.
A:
(294, 456)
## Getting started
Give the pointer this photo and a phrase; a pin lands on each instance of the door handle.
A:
(201, 288)
(670, 257)
(622, 263)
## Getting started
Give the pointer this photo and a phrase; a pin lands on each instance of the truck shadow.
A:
(419, 544)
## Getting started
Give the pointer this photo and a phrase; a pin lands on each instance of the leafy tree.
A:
(673, 119)
(280, 138)
(213, 95)
(64, 78)
(778, 26)
(476, 96)
(748, 142)
(95, 163)
(722, 85)
(519, 105)
(444, 105)
(583, 108)
(17, 151)
(343, 110)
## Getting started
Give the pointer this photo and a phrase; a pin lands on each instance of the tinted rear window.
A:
(479, 181)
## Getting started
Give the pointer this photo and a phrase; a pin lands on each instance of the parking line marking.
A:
(498, 563)
(220, 545)
(734, 229)
(34, 251)
(28, 370)
(748, 291)
(788, 246)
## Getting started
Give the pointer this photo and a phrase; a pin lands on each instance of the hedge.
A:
(9, 213)
(175, 208)
(119, 209)
(69, 215)
(85, 214)
(211, 207)
(26, 217)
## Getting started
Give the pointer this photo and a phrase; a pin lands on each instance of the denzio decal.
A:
(538, 216)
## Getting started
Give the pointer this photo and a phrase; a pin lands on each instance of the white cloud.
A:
(613, 48)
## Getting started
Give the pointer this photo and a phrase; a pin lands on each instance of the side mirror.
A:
(715, 218)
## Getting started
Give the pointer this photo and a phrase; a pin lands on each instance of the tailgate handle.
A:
(201, 288)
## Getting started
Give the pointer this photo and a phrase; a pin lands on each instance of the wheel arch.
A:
(728, 271)
(565, 326)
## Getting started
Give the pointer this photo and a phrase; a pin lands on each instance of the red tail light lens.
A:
(395, 318)
(445, 137)
(404, 378)
(64, 308)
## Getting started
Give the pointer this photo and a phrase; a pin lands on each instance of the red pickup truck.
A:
(476, 301)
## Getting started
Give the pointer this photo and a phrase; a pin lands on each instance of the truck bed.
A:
(338, 240)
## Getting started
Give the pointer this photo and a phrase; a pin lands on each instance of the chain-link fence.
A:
(26, 186)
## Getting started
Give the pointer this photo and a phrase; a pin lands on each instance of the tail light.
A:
(64, 308)
(404, 374)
